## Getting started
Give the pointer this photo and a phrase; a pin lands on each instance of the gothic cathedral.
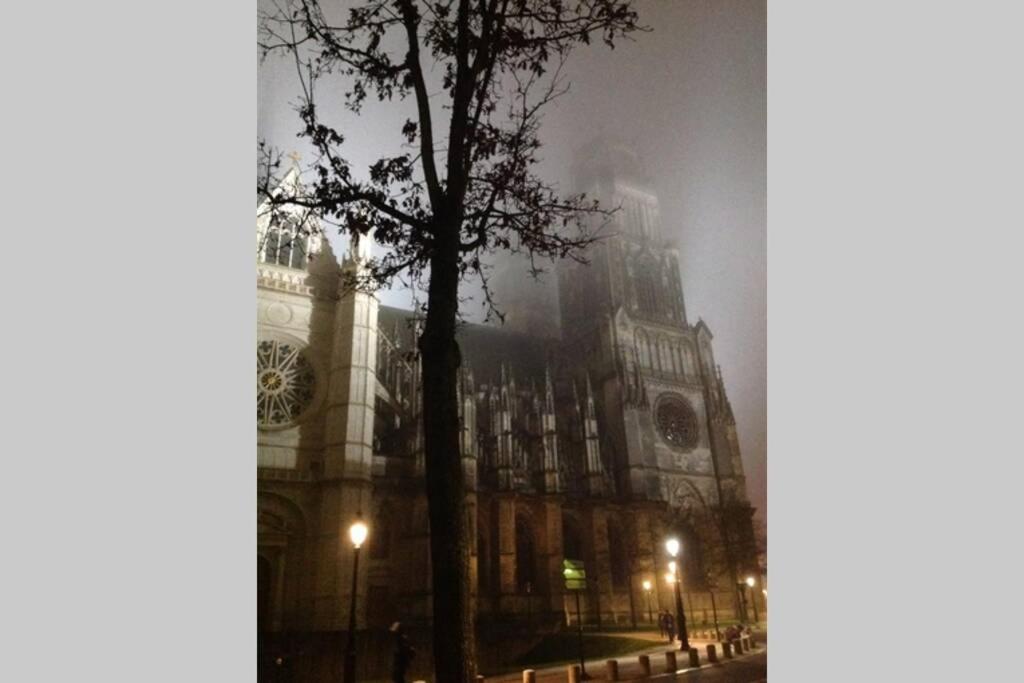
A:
(591, 431)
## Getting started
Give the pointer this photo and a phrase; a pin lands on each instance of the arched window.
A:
(619, 557)
(688, 366)
(483, 565)
(286, 245)
(526, 562)
(666, 358)
(641, 346)
(647, 286)
(709, 360)
(572, 540)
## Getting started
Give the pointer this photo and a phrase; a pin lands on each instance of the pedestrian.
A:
(404, 653)
(670, 626)
(661, 623)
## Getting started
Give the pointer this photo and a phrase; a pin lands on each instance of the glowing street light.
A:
(357, 535)
(647, 592)
(672, 546)
(750, 584)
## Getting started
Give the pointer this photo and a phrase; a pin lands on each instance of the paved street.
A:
(750, 669)
(746, 668)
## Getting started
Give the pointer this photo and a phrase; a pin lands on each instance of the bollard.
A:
(645, 665)
(712, 653)
(613, 669)
(727, 649)
(479, 678)
(694, 657)
(529, 676)
(573, 673)
(670, 662)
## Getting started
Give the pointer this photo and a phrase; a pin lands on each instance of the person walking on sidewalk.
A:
(403, 654)
(670, 626)
(661, 623)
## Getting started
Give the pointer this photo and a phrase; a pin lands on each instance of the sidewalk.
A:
(629, 665)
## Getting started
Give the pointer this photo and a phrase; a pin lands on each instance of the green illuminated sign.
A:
(575, 575)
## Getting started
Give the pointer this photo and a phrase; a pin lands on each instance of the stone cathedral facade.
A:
(590, 431)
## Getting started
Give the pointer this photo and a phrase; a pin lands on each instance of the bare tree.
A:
(453, 197)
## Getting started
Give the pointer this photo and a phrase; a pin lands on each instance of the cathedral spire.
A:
(551, 463)
(592, 468)
(590, 413)
(549, 392)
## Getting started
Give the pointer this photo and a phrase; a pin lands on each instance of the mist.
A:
(690, 98)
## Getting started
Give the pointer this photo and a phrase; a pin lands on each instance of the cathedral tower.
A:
(654, 378)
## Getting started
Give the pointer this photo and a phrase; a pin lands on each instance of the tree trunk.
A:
(454, 652)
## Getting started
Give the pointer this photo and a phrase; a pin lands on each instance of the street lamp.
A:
(357, 534)
(753, 601)
(647, 592)
(672, 546)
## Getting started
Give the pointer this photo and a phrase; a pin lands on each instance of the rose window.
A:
(677, 422)
(285, 383)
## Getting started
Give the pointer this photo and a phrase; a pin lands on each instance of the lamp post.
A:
(672, 546)
(753, 600)
(647, 592)
(357, 534)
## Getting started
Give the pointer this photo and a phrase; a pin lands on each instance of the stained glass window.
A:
(677, 422)
(285, 383)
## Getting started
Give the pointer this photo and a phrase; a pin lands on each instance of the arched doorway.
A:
(264, 593)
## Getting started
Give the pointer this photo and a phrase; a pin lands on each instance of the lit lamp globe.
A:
(750, 581)
(672, 546)
(357, 534)
(647, 585)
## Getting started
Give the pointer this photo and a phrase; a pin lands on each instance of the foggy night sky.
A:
(690, 98)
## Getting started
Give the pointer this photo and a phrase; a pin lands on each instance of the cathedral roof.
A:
(484, 347)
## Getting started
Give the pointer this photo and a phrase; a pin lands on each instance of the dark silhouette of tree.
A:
(725, 558)
(712, 567)
(448, 200)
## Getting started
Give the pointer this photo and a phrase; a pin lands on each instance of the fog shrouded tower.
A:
(666, 423)
(528, 302)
